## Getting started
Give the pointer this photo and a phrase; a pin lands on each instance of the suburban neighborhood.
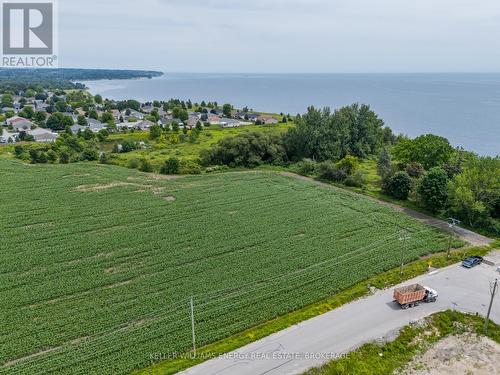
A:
(42, 116)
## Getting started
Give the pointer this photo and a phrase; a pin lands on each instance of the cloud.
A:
(282, 35)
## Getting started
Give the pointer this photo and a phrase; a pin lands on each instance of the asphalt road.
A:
(377, 317)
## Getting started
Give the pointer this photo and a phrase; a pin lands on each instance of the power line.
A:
(493, 291)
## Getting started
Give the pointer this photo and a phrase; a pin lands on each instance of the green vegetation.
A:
(100, 273)
(359, 290)
(392, 357)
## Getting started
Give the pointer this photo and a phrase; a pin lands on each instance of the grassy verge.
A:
(381, 281)
(388, 358)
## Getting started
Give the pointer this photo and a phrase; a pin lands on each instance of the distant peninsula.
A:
(67, 78)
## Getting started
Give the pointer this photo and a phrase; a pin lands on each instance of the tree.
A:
(384, 165)
(171, 166)
(107, 117)
(429, 150)
(98, 99)
(55, 121)
(226, 110)
(102, 135)
(322, 135)
(154, 132)
(398, 186)
(433, 189)
(474, 194)
(27, 112)
(81, 120)
(39, 117)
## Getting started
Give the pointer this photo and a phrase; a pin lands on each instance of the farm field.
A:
(98, 263)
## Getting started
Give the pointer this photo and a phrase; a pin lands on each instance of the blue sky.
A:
(281, 35)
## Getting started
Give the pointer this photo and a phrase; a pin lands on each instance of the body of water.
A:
(465, 108)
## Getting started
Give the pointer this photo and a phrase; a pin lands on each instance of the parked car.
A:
(472, 261)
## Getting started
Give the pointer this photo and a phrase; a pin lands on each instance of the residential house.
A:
(133, 113)
(22, 125)
(268, 120)
(42, 135)
(76, 128)
(12, 120)
(213, 119)
(229, 123)
(95, 125)
(144, 125)
(7, 137)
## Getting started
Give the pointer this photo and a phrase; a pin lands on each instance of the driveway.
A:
(377, 317)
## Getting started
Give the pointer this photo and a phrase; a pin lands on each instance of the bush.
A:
(349, 164)
(171, 166)
(329, 171)
(133, 163)
(306, 167)
(103, 159)
(190, 167)
(246, 150)
(415, 170)
(356, 180)
(398, 186)
(145, 166)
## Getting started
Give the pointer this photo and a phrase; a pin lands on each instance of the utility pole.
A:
(493, 292)
(404, 237)
(452, 223)
(192, 325)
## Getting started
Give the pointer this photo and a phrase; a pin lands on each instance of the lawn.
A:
(98, 263)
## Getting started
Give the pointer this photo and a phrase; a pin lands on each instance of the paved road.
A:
(472, 238)
(345, 328)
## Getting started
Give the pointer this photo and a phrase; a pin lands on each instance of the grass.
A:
(393, 356)
(98, 275)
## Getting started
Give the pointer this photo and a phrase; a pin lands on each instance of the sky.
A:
(281, 36)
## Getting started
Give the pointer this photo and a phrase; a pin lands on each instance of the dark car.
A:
(472, 261)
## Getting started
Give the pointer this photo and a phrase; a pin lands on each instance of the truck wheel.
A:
(405, 307)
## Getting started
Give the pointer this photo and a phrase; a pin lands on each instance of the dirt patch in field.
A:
(99, 187)
(38, 225)
(156, 177)
(464, 354)
(77, 175)
(170, 198)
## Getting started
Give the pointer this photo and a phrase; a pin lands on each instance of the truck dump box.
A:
(409, 294)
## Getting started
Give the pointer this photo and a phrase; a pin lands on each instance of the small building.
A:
(42, 135)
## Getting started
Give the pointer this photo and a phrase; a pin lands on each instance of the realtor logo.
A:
(28, 29)
(29, 33)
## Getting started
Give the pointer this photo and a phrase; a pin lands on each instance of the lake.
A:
(465, 108)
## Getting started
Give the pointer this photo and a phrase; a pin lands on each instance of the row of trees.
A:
(443, 180)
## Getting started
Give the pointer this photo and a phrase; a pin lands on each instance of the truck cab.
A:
(430, 294)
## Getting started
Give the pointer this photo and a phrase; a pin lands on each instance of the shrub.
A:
(133, 163)
(356, 180)
(415, 170)
(190, 167)
(171, 166)
(306, 167)
(398, 186)
(329, 171)
(349, 164)
(145, 166)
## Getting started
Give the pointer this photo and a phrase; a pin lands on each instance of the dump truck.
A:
(412, 295)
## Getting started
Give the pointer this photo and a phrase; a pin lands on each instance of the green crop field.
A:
(98, 263)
